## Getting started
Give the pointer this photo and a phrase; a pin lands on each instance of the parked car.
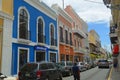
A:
(81, 66)
(67, 65)
(65, 72)
(103, 64)
(39, 71)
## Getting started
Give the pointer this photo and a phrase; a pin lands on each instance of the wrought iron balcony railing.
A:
(24, 34)
(53, 42)
(41, 38)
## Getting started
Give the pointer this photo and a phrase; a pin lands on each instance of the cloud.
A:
(88, 10)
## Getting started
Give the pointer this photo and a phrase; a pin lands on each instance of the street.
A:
(92, 74)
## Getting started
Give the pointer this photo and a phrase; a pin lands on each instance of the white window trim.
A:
(23, 7)
(40, 17)
(50, 32)
(39, 51)
(54, 53)
(19, 56)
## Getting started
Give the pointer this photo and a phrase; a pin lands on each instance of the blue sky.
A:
(103, 31)
(93, 12)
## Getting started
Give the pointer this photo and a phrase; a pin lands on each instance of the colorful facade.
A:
(34, 34)
(95, 45)
(6, 22)
(66, 52)
(78, 34)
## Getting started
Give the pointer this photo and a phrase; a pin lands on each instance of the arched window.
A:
(52, 35)
(23, 24)
(41, 36)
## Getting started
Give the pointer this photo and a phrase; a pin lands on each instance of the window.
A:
(61, 34)
(70, 38)
(52, 57)
(23, 57)
(43, 66)
(41, 36)
(40, 56)
(52, 35)
(66, 36)
(23, 25)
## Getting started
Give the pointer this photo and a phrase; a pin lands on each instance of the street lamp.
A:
(108, 5)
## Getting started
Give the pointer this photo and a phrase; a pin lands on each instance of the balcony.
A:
(113, 34)
(24, 36)
(62, 39)
(79, 32)
(53, 42)
(79, 50)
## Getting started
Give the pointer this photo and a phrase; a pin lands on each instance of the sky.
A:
(94, 13)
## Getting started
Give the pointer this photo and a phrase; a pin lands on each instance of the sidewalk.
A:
(114, 75)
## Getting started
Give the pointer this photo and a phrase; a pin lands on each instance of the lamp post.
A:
(109, 4)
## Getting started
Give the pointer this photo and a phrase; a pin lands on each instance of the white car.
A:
(81, 66)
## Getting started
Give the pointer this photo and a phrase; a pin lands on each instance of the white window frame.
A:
(50, 32)
(40, 17)
(54, 53)
(39, 51)
(19, 17)
(19, 56)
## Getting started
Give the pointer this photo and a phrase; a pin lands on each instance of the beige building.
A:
(6, 21)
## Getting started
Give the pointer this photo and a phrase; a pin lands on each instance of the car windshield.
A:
(29, 67)
(103, 61)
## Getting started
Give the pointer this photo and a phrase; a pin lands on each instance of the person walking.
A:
(115, 64)
(76, 72)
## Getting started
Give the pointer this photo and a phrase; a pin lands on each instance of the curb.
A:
(109, 74)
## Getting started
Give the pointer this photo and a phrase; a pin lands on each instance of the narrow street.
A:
(92, 74)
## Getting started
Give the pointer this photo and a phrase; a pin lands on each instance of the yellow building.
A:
(94, 44)
(6, 21)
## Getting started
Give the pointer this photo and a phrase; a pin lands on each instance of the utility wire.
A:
(93, 1)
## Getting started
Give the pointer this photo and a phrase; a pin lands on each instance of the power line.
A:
(93, 1)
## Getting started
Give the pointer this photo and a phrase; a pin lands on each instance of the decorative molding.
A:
(41, 6)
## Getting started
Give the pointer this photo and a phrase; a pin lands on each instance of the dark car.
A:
(67, 66)
(103, 64)
(39, 71)
(65, 72)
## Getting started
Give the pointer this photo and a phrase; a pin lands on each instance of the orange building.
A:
(66, 52)
(79, 35)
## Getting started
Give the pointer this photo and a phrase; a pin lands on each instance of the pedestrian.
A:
(76, 72)
(115, 64)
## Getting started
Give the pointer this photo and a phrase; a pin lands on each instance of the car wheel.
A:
(47, 79)
(60, 78)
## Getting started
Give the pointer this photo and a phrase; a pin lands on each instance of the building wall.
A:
(6, 45)
(7, 6)
(78, 40)
(1, 37)
(35, 9)
(65, 22)
(6, 22)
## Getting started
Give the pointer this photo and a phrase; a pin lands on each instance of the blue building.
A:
(34, 36)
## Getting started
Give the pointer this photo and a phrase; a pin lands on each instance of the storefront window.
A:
(22, 57)
(40, 56)
(52, 57)
(62, 57)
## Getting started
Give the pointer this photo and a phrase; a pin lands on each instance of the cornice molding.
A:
(41, 6)
(62, 12)
(5, 16)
